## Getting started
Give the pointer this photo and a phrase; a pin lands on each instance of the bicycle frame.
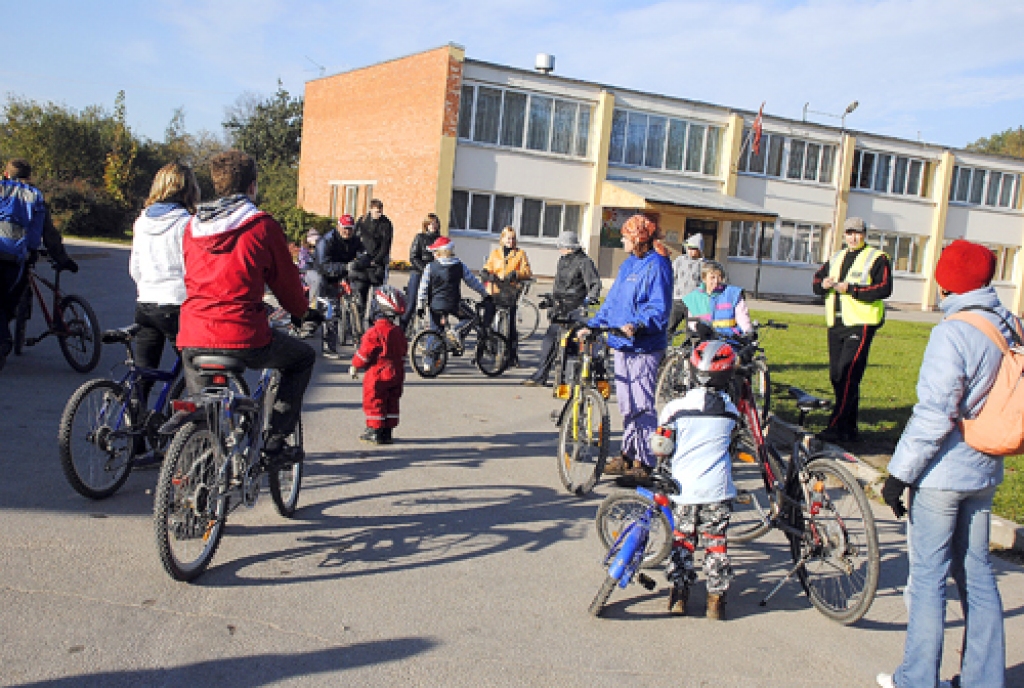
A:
(33, 280)
(631, 543)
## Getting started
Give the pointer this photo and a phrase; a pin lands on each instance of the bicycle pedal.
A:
(646, 581)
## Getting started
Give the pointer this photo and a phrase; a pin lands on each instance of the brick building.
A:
(486, 145)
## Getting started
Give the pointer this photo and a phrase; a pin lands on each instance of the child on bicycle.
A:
(696, 431)
(382, 353)
(441, 286)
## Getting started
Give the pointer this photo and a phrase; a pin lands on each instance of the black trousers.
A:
(159, 325)
(848, 347)
(294, 358)
(12, 286)
(411, 291)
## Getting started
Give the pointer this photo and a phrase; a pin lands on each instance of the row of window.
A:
(976, 186)
(887, 173)
(345, 198)
(663, 143)
(779, 156)
(784, 241)
(534, 217)
(515, 119)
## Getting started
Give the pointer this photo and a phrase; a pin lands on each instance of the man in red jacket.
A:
(233, 251)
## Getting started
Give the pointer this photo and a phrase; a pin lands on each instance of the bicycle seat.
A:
(219, 363)
(807, 402)
(121, 335)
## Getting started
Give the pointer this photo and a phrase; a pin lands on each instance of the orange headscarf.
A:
(641, 229)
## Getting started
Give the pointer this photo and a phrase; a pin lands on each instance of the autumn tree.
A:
(1009, 142)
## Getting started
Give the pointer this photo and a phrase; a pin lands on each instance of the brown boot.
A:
(638, 471)
(618, 466)
(678, 596)
(716, 607)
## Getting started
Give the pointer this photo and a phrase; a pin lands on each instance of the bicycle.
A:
(631, 542)
(69, 318)
(527, 312)
(342, 322)
(213, 464)
(428, 353)
(106, 428)
(583, 423)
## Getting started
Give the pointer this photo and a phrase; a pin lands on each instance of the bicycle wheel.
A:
(839, 545)
(80, 339)
(583, 442)
(94, 440)
(601, 598)
(22, 315)
(752, 506)
(527, 319)
(673, 379)
(428, 353)
(618, 510)
(330, 334)
(286, 483)
(355, 324)
(188, 520)
(491, 353)
(760, 385)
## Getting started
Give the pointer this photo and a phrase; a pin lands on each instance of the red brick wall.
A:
(382, 123)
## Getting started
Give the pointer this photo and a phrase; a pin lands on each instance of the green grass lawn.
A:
(798, 356)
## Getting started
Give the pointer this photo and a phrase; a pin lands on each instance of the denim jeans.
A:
(949, 537)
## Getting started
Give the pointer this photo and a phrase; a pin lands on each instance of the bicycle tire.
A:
(286, 483)
(761, 386)
(577, 472)
(83, 329)
(22, 315)
(491, 355)
(673, 379)
(355, 324)
(752, 507)
(98, 476)
(428, 346)
(192, 463)
(527, 319)
(330, 334)
(603, 593)
(823, 572)
(619, 510)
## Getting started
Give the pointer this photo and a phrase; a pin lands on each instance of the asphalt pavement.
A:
(451, 558)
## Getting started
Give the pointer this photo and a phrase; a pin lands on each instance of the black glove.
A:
(485, 276)
(546, 302)
(69, 264)
(312, 315)
(892, 494)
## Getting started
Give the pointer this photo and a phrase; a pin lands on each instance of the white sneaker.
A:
(885, 681)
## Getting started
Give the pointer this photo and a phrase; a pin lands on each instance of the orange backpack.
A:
(998, 429)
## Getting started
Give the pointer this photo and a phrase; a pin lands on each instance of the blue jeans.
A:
(949, 537)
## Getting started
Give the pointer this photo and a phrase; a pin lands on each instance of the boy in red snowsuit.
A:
(382, 354)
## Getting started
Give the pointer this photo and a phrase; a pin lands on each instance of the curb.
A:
(1003, 533)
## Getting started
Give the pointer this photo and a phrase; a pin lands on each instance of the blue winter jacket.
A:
(959, 367)
(642, 296)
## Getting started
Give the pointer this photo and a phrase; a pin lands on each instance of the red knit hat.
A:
(442, 243)
(965, 266)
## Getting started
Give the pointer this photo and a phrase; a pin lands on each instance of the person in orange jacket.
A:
(504, 272)
(382, 354)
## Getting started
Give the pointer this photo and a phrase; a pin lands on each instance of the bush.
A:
(296, 221)
(81, 209)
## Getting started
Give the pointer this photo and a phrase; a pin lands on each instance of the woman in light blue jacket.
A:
(951, 484)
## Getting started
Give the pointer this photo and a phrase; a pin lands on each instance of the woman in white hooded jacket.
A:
(157, 265)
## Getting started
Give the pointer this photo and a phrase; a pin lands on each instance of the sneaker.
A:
(618, 466)
(371, 436)
(638, 471)
(385, 436)
(678, 596)
(716, 607)
(333, 355)
(885, 681)
(278, 456)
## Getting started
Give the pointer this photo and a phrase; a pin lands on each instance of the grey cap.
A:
(568, 240)
(855, 224)
(696, 241)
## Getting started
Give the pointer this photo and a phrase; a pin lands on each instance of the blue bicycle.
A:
(633, 547)
(106, 429)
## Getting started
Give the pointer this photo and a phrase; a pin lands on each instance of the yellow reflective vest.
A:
(854, 312)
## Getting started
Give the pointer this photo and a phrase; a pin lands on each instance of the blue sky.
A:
(947, 70)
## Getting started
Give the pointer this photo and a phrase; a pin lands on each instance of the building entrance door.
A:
(708, 229)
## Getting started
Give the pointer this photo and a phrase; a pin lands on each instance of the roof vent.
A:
(545, 64)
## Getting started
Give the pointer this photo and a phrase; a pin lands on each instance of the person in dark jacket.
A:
(576, 284)
(419, 257)
(376, 232)
(853, 281)
(334, 257)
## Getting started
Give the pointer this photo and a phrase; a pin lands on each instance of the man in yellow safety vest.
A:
(853, 281)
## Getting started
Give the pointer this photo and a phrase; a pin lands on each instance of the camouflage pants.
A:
(701, 525)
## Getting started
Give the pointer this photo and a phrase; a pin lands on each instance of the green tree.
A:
(268, 129)
(119, 170)
(1009, 142)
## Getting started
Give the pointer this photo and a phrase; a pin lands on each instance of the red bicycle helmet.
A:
(346, 221)
(388, 300)
(713, 363)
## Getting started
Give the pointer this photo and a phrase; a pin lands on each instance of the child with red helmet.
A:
(382, 354)
(696, 431)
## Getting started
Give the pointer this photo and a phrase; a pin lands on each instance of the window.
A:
(905, 251)
(516, 119)
(811, 161)
(351, 200)
(767, 239)
(743, 239)
(334, 201)
(788, 242)
(785, 242)
(804, 160)
(795, 169)
(882, 172)
(976, 186)
(485, 212)
(774, 167)
(659, 142)
(886, 173)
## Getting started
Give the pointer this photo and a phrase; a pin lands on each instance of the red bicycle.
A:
(69, 318)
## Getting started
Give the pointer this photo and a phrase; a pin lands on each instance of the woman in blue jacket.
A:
(639, 304)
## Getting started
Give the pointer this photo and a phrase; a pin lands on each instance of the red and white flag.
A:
(757, 130)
